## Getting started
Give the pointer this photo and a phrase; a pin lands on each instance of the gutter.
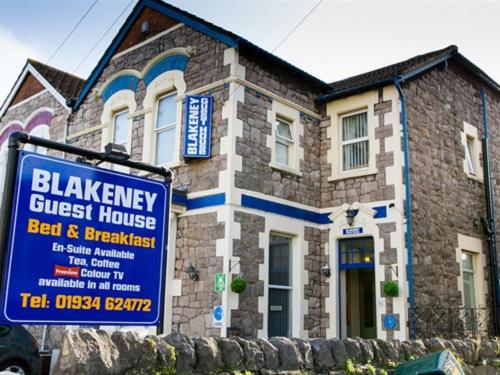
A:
(491, 223)
(411, 298)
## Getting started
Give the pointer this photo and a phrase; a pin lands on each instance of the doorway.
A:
(357, 288)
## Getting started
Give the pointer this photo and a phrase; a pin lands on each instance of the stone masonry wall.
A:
(317, 320)
(445, 201)
(205, 66)
(195, 245)
(247, 318)
(364, 189)
(23, 111)
(256, 174)
(89, 351)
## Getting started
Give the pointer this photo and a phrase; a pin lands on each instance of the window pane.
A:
(284, 130)
(355, 155)
(467, 262)
(165, 141)
(355, 126)
(469, 290)
(121, 129)
(469, 155)
(279, 313)
(166, 111)
(281, 153)
(279, 261)
(356, 252)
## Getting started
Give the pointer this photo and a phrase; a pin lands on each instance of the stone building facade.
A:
(305, 193)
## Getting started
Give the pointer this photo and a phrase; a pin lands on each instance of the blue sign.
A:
(390, 322)
(198, 127)
(357, 230)
(218, 313)
(87, 245)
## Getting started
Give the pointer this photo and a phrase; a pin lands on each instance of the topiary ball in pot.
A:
(238, 285)
(391, 289)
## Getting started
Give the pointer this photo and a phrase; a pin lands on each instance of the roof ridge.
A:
(452, 48)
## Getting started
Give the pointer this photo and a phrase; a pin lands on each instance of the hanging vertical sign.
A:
(87, 245)
(198, 127)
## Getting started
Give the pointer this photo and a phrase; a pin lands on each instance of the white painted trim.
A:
(275, 224)
(172, 80)
(295, 150)
(365, 220)
(470, 131)
(475, 246)
(338, 109)
(85, 131)
(30, 69)
(173, 286)
(147, 41)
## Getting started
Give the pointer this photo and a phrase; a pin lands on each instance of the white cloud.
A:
(14, 55)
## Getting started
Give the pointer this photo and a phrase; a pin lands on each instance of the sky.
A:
(339, 39)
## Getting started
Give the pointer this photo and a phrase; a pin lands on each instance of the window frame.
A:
(129, 130)
(288, 142)
(472, 152)
(343, 143)
(289, 288)
(157, 131)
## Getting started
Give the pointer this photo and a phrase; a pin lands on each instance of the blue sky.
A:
(341, 38)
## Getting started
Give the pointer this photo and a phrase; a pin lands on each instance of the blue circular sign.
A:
(218, 313)
(390, 322)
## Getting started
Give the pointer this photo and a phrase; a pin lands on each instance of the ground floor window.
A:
(280, 286)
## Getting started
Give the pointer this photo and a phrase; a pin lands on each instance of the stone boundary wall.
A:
(90, 351)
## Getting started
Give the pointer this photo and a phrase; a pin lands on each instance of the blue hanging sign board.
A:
(87, 245)
(198, 127)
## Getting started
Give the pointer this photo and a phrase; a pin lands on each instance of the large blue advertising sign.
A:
(87, 245)
(198, 127)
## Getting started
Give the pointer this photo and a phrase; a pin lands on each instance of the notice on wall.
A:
(198, 127)
(87, 245)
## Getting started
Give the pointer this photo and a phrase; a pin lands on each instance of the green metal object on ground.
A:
(439, 363)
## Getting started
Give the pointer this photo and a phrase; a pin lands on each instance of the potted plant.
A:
(391, 288)
(238, 285)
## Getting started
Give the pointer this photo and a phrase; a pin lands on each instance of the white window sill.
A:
(474, 177)
(352, 174)
(284, 168)
(172, 165)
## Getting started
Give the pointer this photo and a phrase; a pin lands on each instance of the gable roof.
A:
(199, 24)
(68, 85)
(404, 70)
(63, 86)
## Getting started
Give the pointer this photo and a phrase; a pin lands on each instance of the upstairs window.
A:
(121, 131)
(470, 155)
(165, 129)
(284, 141)
(355, 142)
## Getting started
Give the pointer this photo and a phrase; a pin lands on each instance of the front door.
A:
(358, 307)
